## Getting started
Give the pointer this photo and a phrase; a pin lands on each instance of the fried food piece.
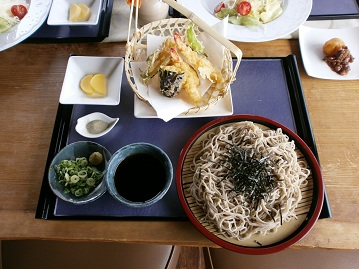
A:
(179, 67)
(332, 46)
(191, 80)
(171, 80)
(197, 61)
(157, 59)
(192, 40)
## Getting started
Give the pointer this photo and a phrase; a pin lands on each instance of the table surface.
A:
(31, 78)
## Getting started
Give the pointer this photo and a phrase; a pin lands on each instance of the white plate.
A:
(80, 66)
(59, 12)
(223, 107)
(311, 42)
(295, 13)
(37, 14)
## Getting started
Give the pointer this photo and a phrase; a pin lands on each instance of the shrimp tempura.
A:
(199, 62)
(191, 80)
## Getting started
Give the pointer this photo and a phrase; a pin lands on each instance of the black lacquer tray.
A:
(268, 87)
(64, 33)
(334, 10)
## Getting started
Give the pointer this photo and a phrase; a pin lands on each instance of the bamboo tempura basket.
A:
(136, 50)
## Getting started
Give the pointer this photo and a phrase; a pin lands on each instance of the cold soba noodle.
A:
(247, 179)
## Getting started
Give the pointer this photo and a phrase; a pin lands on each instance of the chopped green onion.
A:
(78, 176)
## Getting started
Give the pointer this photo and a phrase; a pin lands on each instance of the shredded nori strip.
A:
(250, 172)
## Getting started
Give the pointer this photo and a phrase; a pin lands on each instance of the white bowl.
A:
(80, 66)
(83, 121)
(59, 12)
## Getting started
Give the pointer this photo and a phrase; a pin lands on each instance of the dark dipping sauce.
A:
(140, 177)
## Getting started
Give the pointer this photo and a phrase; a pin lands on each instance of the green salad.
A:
(11, 13)
(250, 12)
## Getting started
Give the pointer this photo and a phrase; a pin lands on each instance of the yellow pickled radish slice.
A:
(85, 12)
(75, 12)
(99, 84)
(85, 84)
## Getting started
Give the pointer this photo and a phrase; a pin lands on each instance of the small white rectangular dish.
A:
(80, 66)
(311, 42)
(223, 107)
(59, 12)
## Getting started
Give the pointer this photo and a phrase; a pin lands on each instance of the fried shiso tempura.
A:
(171, 80)
(180, 63)
(190, 81)
(198, 61)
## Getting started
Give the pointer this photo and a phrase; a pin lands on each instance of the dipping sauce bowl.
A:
(139, 174)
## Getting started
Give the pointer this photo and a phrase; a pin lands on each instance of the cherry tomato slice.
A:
(244, 8)
(19, 10)
(219, 7)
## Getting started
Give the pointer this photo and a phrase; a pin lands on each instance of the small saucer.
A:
(81, 126)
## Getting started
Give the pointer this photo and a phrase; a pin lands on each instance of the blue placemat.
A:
(261, 88)
(332, 9)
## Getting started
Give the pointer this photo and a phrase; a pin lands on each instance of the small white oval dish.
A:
(100, 124)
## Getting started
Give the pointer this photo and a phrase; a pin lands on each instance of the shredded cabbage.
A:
(263, 11)
(5, 24)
